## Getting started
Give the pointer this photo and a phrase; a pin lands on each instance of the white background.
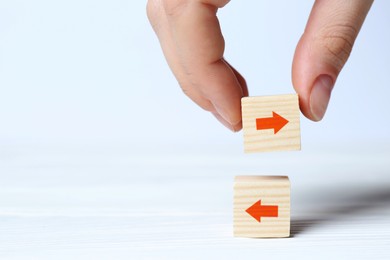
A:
(87, 71)
(102, 156)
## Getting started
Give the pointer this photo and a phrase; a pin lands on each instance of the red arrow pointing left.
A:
(257, 211)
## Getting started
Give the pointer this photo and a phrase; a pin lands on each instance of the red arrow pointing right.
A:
(257, 211)
(275, 122)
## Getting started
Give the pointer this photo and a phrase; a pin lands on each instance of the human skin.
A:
(193, 44)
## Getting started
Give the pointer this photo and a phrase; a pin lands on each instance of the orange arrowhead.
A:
(257, 211)
(275, 122)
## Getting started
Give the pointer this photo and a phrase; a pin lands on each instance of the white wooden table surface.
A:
(117, 202)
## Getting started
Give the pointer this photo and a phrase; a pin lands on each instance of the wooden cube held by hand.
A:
(271, 123)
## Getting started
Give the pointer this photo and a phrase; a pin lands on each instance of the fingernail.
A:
(225, 116)
(320, 96)
(234, 128)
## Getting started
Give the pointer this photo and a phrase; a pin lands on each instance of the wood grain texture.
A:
(118, 202)
(288, 138)
(271, 190)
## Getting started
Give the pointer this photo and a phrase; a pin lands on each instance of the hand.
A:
(193, 45)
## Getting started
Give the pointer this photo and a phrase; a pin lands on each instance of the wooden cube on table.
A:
(271, 123)
(261, 206)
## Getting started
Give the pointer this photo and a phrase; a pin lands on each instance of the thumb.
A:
(323, 50)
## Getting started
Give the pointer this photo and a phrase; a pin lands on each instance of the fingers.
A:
(323, 50)
(159, 22)
(193, 45)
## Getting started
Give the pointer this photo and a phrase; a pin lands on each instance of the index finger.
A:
(200, 46)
